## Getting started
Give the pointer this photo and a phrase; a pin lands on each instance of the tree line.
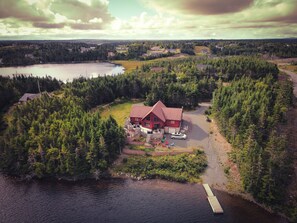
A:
(250, 114)
(179, 82)
(14, 53)
(271, 48)
(12, 88)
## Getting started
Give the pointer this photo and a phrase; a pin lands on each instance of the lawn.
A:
(119, 111)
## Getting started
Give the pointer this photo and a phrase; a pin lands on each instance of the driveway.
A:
(198, 136)
(198, 129)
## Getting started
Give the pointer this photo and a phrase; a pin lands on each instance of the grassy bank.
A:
(130, 65)
(180, 168)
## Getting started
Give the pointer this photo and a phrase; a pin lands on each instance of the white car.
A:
(178, 136)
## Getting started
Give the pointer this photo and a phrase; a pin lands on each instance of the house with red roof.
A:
(157, 117)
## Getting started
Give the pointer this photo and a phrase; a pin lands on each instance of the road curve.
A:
(293, 77)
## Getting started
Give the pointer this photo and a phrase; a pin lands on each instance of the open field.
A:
(120, 112)
(130, 65)
(201, 50)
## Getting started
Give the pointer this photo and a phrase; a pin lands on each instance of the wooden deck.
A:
(208, 190)
(213, 201)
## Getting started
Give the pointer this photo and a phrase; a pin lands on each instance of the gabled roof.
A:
(159, 109)
(29, 96)
(173, 113)
(139, 111)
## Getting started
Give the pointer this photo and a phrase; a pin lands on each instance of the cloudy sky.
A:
(147, 19)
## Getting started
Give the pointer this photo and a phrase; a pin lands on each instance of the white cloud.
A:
(96, 20)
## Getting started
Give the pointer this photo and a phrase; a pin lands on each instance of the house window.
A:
(147, 124)
(148, 118)
(172, 122)
(155, 119)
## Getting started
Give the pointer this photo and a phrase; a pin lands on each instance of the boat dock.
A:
(213, 201)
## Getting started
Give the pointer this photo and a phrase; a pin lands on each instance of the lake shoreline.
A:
(65, 72)
(53, 63)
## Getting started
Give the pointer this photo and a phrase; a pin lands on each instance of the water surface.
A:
(65, 72)
(120, 201)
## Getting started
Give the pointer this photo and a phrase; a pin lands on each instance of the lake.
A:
(65, 72)
(120, 201)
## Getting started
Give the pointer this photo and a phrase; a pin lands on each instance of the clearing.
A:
(119, 111)
(130, 65)
(201, 50)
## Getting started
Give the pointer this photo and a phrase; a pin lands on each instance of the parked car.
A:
(178, 136)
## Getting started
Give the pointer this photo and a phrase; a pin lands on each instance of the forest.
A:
(179, 82)
(13, 53)
(52, 136)
(250, 113)
(273, 48)
(11, 89)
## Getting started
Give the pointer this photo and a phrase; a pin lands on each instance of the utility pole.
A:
(38, 86)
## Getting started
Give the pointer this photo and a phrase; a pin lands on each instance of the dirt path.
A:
(287, 61)
(293, 77)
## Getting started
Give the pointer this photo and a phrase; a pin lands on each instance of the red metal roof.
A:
(139, 111)
(173, 113)
(159, 109)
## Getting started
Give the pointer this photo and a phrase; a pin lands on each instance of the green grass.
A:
(142, 148)
(180, 168)
(120, 112)
(130, 65)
